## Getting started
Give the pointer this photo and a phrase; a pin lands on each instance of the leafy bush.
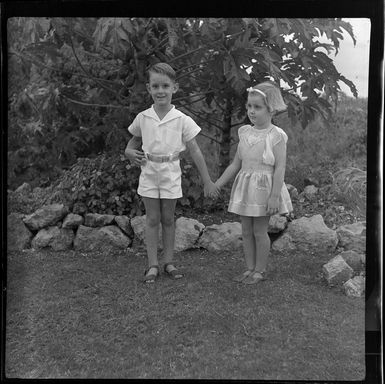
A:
(103, 185)
(350, 187)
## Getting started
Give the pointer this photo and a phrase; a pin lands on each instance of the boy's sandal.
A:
(150, 277)
(174, 273)
(242, 276)
(254, 278)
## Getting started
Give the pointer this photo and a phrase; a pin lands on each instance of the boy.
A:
(164, 132)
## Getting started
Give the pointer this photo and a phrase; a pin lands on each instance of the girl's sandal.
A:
(254, 278)
(150, 277)
(174, 273)
(242, 276)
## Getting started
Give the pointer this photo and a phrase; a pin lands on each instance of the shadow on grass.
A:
(75, 315)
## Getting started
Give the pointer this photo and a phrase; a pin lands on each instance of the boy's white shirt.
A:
(166, 136)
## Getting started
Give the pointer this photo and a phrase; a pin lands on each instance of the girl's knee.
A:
(260, 232)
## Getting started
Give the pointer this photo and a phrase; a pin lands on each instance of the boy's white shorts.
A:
(161, 180)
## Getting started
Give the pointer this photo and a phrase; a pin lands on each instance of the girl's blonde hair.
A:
(271, 94)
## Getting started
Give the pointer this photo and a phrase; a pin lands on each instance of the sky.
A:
(352, 61)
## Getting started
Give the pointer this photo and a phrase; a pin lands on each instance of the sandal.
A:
(150, 277)
(242, 276)
(254, 278)
(173, 274)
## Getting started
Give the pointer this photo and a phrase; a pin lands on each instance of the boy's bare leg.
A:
(152, 229)
(167, 208)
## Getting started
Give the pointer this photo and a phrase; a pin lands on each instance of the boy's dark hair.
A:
(164, 69)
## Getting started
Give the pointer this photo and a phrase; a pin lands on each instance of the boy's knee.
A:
(167, 221)
(152, 220)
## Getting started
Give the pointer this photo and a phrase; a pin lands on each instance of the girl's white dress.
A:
(253, 183)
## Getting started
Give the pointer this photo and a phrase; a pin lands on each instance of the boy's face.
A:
(161, 88)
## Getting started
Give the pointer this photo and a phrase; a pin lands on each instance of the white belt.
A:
(160, 158)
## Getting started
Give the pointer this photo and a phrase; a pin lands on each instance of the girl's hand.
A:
(134, 156)
(272, 205)
(211, 190)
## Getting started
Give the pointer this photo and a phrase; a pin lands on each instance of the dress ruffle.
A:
(251, 191)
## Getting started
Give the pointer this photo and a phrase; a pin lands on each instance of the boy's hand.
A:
(211, 190)
(272, 205)
(134, 156)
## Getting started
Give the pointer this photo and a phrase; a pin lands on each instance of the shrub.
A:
(103, 185)
(350, 186)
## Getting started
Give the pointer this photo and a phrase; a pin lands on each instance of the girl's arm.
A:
(196, 154)
(229, 172)
(279, 151)
(132, 153)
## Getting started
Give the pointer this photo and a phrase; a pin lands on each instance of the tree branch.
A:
(198, 116)
(37, 62)
(94, 105)
(196, 94)
(87, 73)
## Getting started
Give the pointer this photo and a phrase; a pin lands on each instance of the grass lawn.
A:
(75, 315)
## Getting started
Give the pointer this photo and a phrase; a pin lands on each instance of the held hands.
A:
(272, 205)
(211, 190)
(134, 156)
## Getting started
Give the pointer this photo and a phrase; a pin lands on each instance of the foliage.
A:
(79, 81)
(350, 185)
(103, 185)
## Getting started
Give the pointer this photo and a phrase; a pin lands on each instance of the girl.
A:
(163, 132)
(259, 189)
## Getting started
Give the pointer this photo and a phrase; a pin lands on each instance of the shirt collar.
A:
(172, 114)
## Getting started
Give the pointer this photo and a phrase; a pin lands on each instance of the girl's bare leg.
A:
(262, 242)
(248, 247)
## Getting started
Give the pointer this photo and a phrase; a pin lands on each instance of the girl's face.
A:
(257, 110)
(161, 89)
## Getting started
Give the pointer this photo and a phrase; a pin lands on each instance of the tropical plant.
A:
(79, 82)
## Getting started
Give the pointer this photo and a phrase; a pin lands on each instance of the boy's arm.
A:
(197, 156)
(135, 156)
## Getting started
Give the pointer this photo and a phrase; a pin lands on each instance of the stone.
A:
(277, 223)
(355, 287)
(310, 192)
(221, 237)
(138, 224)
(72, 221)
(352, 236)
(293, 191)
(187, 232)
(59, 239)
(18, 235)
(283, 244)
(79, 208)
(308, 234)
(125, 225)
(354, 259)
(98, 220)
(89, 239)
(45, 216)
(24, 189)
(337, 271)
